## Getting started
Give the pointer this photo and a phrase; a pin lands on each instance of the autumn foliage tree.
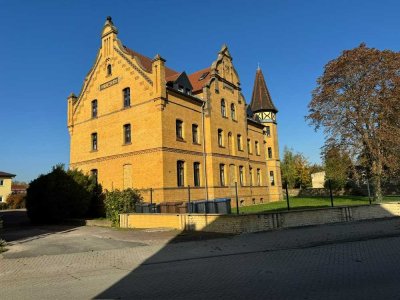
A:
(357, 103)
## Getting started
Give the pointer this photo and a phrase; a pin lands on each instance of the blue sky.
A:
(47, 48)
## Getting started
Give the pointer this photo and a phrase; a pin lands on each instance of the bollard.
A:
(237, 198)
(330, 191)
(287, 197)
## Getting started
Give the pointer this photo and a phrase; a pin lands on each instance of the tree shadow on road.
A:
(17, 227)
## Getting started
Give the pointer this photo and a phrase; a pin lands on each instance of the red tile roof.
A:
(146, 62)
(19, 187)
(195, 77)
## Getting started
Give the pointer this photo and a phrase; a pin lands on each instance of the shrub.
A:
(3, 205)
(96, 205)
(3, 245)
(56, 196)
(117, 202)
(16, 201)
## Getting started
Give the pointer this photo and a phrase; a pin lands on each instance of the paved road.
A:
(343, 261)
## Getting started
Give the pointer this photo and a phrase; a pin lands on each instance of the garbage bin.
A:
(211, 207)
(163, 208)
(138, 208)
(223, 205)
(200, 207)
(191, 207)
(183, 208)
(147, 208)
(172, 207)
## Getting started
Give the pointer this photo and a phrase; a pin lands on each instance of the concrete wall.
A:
(259, 222)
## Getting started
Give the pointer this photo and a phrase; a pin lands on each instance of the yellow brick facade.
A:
(150, 159)
(5, 187)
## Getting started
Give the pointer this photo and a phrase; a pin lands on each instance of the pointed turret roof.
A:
(261, 99)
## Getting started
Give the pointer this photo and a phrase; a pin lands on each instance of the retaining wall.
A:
(259, 222)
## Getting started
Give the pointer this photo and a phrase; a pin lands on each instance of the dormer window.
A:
(204, 75)
(180, 88)
(109, 70)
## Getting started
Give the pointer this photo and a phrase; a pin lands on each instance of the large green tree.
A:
(357, 103)
(296, 170)
(338, 166)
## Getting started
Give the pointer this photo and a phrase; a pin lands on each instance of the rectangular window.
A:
(251, 176)
(1, 198)
(127, 97)
(94, 174)
(94, 109)
(196, 173)
(220, 139)
(195, 133)
(94, 141)
(1, 182)
(223, 108)
(239, 142)
(268, 131)
(127, 133)
(257, 148)
(271, 177)
(269, 152)
(179, 129)
(249, 146)
(180, 173)
(222, 174)
(241, 175)
(258, 177)
(233, 111)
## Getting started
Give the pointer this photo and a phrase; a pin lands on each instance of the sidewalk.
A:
(113, 264)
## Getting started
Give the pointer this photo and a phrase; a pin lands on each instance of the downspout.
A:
(204, 151)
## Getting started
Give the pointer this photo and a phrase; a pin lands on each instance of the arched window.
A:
(223, 108)
(222, 174)
(233, 111)
(109, 70)
(220, 138)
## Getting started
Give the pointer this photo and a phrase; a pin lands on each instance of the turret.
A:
(261, 103)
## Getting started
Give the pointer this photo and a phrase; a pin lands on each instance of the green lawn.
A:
(309, 202)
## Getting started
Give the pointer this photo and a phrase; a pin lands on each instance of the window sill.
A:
(225, 117)
(94, 117)
(126, 107)
(94, 150)
(234, 120)
(241, 150)
(127, 144)
(197, 144)
(180, 140)
(223, 147)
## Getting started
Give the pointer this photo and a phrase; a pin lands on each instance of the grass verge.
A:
(309, 202)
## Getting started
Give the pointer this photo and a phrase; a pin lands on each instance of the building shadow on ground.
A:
(179, 272)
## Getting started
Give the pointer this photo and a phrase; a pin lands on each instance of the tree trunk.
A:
(377, 188)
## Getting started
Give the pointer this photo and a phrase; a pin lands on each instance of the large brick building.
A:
(137, 123)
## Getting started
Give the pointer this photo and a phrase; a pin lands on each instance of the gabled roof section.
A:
(261, 99)
(199, 79)
(6, 175)
(146, 62)
(180, 79)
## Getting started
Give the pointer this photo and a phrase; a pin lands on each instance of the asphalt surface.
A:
(341, 261)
